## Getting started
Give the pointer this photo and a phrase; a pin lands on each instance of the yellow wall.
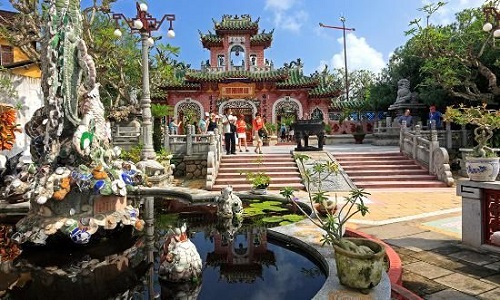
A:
(31, 70)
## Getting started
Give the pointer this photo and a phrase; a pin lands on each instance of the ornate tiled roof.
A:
(262, 38)
(236, 23)
(178, 82)
(328, 85)
(296, 78)
(200, 76)
(209, 40)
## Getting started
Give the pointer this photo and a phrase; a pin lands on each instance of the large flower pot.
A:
(482, 168)
(360, 271)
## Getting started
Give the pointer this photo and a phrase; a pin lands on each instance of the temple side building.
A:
(238, 75)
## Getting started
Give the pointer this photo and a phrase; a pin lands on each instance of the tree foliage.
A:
(458, 58)
(118, 61)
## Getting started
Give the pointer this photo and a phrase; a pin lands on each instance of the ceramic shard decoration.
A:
(74, 179)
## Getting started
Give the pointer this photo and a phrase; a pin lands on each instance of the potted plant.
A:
(260, 182)
(482, 164)
(358, 134)
(360, 262)
(271, 130)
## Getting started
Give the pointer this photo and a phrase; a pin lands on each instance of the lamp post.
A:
(343, 28)
(492, 24)
(144, 24)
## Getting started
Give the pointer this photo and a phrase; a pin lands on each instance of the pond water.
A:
(240, 261)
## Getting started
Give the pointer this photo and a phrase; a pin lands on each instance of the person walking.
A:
(229, 129)
(259, 130)
(435, 116)
(173, 126)
(241, 128)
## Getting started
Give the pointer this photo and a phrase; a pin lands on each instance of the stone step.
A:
(399, 177)
(381, 173)
(399, 184)
(248, 187)
(242, 179)
(249, 168)
(256, 159)
(272, 174)
(267, 164)
(367, 154)
(376, 162)
(385, 167)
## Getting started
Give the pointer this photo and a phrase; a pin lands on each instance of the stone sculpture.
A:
(228, 204)
(180, 260)
(404, 94)
(76, 180)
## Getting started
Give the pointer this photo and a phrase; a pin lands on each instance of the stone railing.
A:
(126, 136)
(426, 152)
(195, 155)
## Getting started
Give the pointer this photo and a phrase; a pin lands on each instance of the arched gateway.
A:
(238, 75)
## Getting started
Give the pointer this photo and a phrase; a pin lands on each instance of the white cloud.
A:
(283, 17)
(279, 5)
(360, 56)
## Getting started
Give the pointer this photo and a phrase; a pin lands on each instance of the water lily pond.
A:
(240, 260)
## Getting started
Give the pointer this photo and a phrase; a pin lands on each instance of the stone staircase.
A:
(385, 170)
(280, 167)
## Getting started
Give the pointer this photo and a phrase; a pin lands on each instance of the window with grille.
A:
(6, 55)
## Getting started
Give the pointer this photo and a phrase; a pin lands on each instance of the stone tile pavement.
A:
(423, 225)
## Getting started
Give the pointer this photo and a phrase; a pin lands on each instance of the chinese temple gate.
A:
(239, 76)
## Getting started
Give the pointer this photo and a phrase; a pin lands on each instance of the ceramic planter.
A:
(482, 168)
(360, 271)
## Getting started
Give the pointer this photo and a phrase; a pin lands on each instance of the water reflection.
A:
(239, 262)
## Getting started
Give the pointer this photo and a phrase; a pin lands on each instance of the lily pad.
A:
(273, 219)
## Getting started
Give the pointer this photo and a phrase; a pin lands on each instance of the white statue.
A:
(229, 205)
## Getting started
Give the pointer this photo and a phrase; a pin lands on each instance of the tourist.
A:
(406, 117)
(241, 128)
(283, 132)
(435, 116)
(212, 124)
(173, 126)
(259, 131)
(229, 129)
(202, 125)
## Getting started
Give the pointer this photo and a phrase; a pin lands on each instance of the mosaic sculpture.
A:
(180, 260)
(74, 179)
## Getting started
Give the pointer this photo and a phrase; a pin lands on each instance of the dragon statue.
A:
(74, 179)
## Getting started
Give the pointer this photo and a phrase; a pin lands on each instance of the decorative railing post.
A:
(418, 133)
(189, 139)
(434, 144)
(166, 138)
(449, 136)
(464, 141)
(402, 136)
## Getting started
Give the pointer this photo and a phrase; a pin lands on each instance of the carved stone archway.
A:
(286, 107)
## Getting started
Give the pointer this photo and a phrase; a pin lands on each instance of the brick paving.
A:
(436, 265)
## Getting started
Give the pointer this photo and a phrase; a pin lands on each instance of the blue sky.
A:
(379, 25)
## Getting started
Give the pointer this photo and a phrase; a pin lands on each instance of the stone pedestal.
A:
(473, 212)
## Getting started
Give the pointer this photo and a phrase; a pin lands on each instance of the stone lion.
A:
(404, 93)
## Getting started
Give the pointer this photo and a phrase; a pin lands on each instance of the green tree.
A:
(458, 58)
(159, 111)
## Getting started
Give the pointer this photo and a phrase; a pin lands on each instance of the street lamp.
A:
(492, 14)
(144, 24)
(343, 28)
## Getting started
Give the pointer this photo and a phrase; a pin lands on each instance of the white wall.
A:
(29, 92)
